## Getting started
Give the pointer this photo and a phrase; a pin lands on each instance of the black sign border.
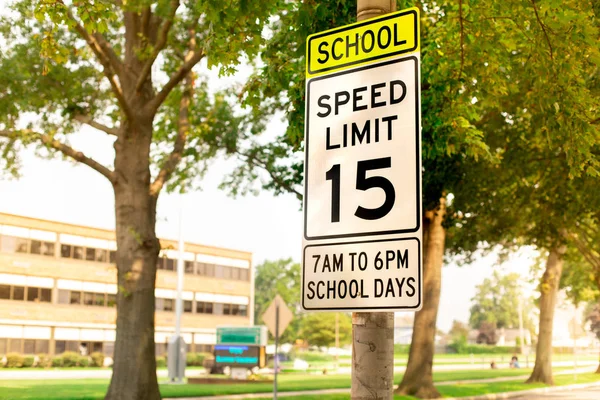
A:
(417, 149)
(364, 308)
(368, 22)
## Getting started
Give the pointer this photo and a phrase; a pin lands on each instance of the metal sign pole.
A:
(275, 361)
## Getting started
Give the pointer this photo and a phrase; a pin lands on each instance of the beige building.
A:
(58, 288)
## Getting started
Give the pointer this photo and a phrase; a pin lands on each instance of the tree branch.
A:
(160, 44)
(107, 58)
(86, 119)
(183, 128)
(64, 149)
(174, 158)
(543, 28)
(191, 59)
(260, 164)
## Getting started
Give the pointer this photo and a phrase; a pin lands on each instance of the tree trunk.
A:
(134, 369)
(542, 370)
(372, 355)
(418, 378)
(372, 333)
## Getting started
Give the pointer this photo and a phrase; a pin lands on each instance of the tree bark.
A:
(372, 355)
(134, 369)
(542, 370)
(418, 377)
(372, 333)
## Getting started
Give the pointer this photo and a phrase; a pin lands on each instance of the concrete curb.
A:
(522, 393)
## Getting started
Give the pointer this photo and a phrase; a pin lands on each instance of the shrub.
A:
(57, 362)
(97, 359)
(196, 359)
(464, 348)
(28, 361)
(83, 361)
(14, 360)
(70, 359)
(44, 361)
(161, 362)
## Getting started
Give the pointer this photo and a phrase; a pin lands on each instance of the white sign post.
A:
(362, 200)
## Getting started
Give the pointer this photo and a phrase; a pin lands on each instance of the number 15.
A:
(363, 183)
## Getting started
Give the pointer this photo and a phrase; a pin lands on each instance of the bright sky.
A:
(269, 227)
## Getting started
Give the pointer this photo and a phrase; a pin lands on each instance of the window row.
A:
(87, 298)
(11, 244)
(29, 293)
(203, 307)
(205, 269)
(24, 346)
(42, 346)
(88, 253)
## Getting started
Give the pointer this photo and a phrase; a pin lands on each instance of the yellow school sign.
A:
(363, 42)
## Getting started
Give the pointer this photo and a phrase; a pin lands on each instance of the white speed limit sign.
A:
(362, 195)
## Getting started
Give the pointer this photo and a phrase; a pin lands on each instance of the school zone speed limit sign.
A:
(362, 189)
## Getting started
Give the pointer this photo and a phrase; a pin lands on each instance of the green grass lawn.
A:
(471, 389)
(93, 389)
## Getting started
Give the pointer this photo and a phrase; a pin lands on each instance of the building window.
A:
(226, 272)
(170, 264)
(36, 247)
(164, 304)
(218, 309)
(187, 306)
(3, 346)
(101, 255)
(18, 293)
(99, 299)
(60, 346)
(112, 257)
(64, 297)
(243, 310)
(75, 298)
(45, 295)
(109, 348)
(33, 294)
(244, 275)
(204, 307)
(15, 345)
(65, 250)
(78, 252)
(111, 300)
(88, 299)
(235, 274)
(42, 346)
(4, 294)
(90, 254)
(189, 267)
(28, 346)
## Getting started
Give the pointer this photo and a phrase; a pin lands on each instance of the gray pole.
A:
(179, 300)
(373, 333)
(275, 362)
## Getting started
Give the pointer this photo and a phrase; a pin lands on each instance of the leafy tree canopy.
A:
(278, 277)
(318, 329)
(496, 301)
